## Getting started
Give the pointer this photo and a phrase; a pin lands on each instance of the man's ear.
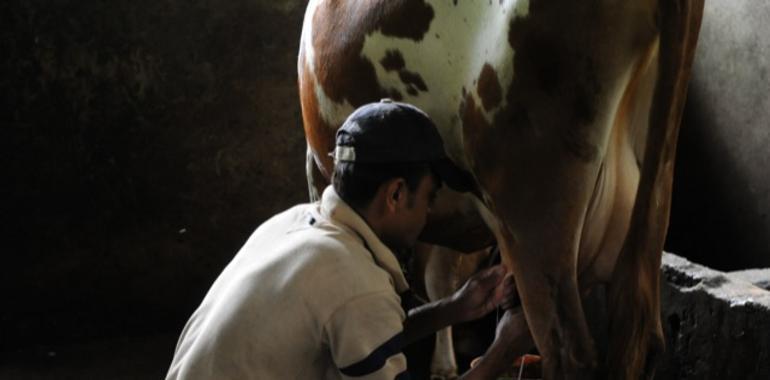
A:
(395, 193)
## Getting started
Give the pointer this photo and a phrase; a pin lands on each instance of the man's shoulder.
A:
(303, 236)
(292, 215)
(307, 226)
(302, 228)
(292, 219)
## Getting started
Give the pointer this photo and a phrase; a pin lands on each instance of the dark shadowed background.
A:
(143, 141)
(722, 185)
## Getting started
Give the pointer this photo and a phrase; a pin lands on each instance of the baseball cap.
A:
(395, 132)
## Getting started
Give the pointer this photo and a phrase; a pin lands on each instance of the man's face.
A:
(409, 219)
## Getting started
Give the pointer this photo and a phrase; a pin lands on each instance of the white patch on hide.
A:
(462, 38)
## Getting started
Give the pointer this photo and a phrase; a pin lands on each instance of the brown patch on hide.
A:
(393, 61)
(341, 70)
(319, 134)
(408, 19)
(489, 88)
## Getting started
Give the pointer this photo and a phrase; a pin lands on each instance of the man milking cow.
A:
(314, 292)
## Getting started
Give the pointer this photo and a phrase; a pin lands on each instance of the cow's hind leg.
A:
(538, 212)
(551, 301)
(633, 295)
(538, 234)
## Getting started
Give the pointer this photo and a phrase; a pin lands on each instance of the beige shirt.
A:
(313, 294)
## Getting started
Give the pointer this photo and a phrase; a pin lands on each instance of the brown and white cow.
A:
(565, 112)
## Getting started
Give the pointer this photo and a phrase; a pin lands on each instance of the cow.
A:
(565, 114)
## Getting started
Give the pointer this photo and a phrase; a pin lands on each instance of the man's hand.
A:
(482, 293)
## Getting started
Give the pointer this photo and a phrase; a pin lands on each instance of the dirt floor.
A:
(148, 357)
(145, 357)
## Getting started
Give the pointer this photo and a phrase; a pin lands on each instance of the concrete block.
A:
(717, 325)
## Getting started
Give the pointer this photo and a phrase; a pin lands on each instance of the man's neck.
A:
(373, 218)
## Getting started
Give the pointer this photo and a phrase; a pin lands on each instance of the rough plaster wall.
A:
(142, 142)
(721, 196)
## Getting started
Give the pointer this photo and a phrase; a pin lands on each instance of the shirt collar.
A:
(334, 208)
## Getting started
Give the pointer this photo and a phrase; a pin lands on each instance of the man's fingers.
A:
(507, 296)
(497, 295)
(510, 280)
(489, 278)
(504, 287)
(509, 287)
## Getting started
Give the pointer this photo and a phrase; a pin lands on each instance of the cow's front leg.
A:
(440, 280)
(445, 271)
(443, 365)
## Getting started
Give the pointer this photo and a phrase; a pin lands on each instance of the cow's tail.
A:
(636, 337)
(316, 182)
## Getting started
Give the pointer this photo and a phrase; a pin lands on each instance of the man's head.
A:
(389, 163)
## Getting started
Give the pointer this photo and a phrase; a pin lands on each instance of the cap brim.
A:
(454, 177)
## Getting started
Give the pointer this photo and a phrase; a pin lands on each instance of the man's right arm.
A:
(513, 340)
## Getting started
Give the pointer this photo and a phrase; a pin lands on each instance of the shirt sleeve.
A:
(365, 337)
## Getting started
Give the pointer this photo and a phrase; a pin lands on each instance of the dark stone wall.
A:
(142, 142)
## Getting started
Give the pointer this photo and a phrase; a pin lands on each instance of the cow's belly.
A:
(466, 43)
(609, 211)
(608, 214)
(466, 55)
(467, 40)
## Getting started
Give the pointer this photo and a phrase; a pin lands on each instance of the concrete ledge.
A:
(717, 325)
(758, 277)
